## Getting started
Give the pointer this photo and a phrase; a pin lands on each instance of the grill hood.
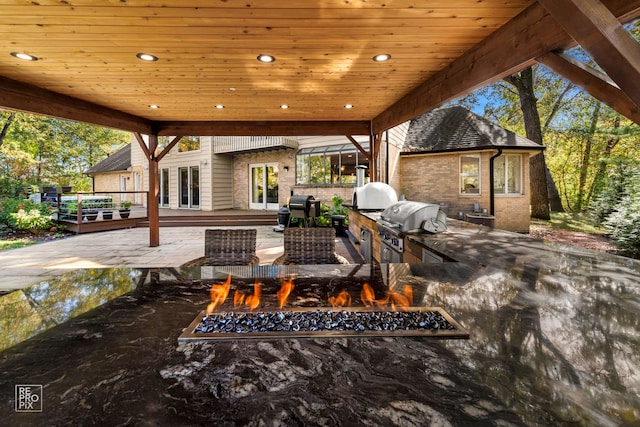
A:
(407, 216)
(374, 196)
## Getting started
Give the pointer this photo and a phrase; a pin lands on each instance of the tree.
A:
(39, 150)
(524, 83)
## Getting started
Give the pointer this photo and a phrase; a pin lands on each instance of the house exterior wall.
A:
(434, 178)
(241, 164)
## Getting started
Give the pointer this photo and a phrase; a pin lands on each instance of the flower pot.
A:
(90, 215)
(124, 213)
(107, 214)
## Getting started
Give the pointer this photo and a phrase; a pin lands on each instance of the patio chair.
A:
(310, 246)
(228, 247)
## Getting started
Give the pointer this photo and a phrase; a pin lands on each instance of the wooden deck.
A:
(176, 218)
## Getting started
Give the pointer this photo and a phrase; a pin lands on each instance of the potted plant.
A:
(90, 211)
(70, 210)
(125, 209)
(107, 214)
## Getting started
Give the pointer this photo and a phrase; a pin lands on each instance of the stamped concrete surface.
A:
(119, 248)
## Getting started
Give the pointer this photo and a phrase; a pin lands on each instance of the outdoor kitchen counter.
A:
(554, 340)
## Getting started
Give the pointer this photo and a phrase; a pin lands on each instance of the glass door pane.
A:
(183, 174)
(272, 187)
(263, 186)
(195, 187)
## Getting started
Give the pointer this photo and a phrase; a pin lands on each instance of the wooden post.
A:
(154, 191)
(373, 168)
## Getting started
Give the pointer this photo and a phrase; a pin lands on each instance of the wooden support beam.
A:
(600, 33)
(142, 145)
(358, 146)
(373, 157)
(20, 96)
(594, 82)
(168, 148)
(154, 191)
(510, 49)
(273, 128)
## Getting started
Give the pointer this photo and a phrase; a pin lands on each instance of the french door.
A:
(263, 186)
(189, 187)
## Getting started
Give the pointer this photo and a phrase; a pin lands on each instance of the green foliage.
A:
(38, 150)
(125, 204)
(624, 225)
(611, 192)
(618, 206)
(33, 220)
(11, 205)
(336, 208)
(24, 214)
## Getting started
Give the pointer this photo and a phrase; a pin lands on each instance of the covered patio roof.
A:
(87, 69)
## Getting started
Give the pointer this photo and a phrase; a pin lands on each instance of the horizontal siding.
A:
(222, 182)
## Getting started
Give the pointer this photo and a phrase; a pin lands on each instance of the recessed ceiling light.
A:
(146, 57)
(266, 58)
(219, 106)
(154, 106)
(284, 106)
(24, 56)
(232, 88)
(348, 106)
(382, 57)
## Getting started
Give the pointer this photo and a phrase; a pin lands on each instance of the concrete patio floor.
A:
(119, 248)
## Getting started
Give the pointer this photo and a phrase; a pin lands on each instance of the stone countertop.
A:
(554, 340)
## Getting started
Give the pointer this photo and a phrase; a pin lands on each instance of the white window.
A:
(470, 174)
(507, 174)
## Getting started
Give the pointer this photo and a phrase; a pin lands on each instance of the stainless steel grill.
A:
(403, 218)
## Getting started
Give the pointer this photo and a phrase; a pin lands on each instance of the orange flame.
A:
(218, 295)
(367, 295)
(253, 301)
(238, 299)
(408, 292)
(404, 301)
(284, 291)
(398, 298)
(341, 300)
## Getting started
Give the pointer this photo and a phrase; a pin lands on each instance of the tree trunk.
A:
(602, 167)
(523, 82)
(5, 127)
(586, 159)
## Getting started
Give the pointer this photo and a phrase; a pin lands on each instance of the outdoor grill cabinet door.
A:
(366, 245)
(388, 254)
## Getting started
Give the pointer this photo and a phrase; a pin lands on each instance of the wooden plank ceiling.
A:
(87, 68)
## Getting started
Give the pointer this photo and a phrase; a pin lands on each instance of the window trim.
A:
(506, 193)
(326, 151)
(462, 175)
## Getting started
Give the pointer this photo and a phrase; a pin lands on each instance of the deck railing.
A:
(101, 210)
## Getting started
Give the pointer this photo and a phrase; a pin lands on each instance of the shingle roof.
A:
(118, 161)
(458, 129)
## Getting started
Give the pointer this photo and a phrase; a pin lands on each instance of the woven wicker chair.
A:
(228, 247)
(310, 246)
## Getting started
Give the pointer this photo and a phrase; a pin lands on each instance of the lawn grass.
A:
(18, 243)
(571, 221)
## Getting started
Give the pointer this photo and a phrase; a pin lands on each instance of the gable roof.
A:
(118, 161)
(458, 129)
